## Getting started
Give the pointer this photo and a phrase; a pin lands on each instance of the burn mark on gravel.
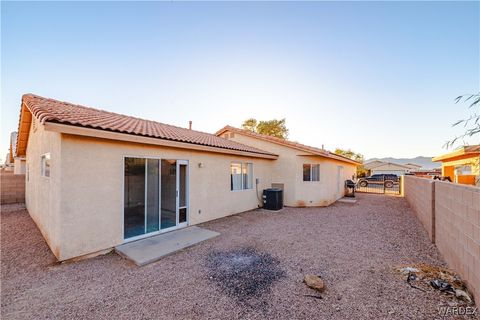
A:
(243, 273)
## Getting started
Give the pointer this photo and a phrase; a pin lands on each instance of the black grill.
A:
(349, 188)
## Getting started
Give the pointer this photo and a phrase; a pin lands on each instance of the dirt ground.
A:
(253, 270)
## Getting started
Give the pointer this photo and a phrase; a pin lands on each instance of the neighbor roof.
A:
(372, 164)
(463, 151)
(390, 164)
(54, 111)
(291, 144)
(413, 165)
(378, 163)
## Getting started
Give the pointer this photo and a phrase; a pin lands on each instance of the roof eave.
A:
(325, 154)
(119, 136)
(453, 155)
(23, 132)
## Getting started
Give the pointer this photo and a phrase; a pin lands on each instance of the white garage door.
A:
(397, 172)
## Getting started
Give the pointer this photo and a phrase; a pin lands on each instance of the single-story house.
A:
(97, 179)
(462, 165)
(413, 166)
(309, 176)
(381, 167)
(371, 164)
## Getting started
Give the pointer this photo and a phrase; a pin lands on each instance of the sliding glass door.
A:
(141, 196)
(169, 194)
(155, 196)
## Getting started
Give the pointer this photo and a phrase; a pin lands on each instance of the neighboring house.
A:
(431, 173)
(388, 168)
(309, 176)
(97, 179)
(413, 166)
(8, 162)
(371, 164)
(462, 165)
(19, 163)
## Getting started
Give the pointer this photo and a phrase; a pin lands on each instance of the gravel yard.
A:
(253, 270)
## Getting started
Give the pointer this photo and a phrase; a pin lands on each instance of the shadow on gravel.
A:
(244, 274)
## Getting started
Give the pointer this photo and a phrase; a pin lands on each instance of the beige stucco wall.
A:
(283, 169)
(92, 190)
(329, 189)
(42, 194)
(288, 169)
(19, 166)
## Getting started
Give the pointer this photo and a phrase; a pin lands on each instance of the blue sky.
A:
(376, 77)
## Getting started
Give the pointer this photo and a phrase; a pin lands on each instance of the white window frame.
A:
(187, 195)
(244, 185)
(311, 172)
(43, 165)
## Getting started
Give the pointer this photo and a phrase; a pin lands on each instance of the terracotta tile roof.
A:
(50, 110)
(295, 145)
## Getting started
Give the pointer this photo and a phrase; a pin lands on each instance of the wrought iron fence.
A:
(382, 183)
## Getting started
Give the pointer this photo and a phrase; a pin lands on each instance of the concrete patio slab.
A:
(347, 200)
(151, 249)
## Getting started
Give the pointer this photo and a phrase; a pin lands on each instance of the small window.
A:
(247, 171)
(45, 165)
(311, 172)
(307, 172)
(236, 176)
(241, 176)
(232, 135)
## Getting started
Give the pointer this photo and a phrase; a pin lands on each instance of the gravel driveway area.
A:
(253, 270)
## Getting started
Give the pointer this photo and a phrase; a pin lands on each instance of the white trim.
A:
(145, 210)
(145, 204)
(178, 225)
(141, 236)
(242, 165)
(311, 172)
(103, 134)
(187, 193)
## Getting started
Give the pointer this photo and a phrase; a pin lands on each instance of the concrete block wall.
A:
(451, 213)
(419, 193)
(457, 220)
(12, 188)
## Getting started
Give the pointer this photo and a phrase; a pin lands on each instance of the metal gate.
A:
(384, 184)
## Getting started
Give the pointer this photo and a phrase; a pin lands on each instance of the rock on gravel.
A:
(314, 282)
(353, 247)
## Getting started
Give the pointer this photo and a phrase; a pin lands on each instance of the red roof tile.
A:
(50, 110)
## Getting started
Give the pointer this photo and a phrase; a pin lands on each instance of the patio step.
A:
(347, 200)
(151, 249)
